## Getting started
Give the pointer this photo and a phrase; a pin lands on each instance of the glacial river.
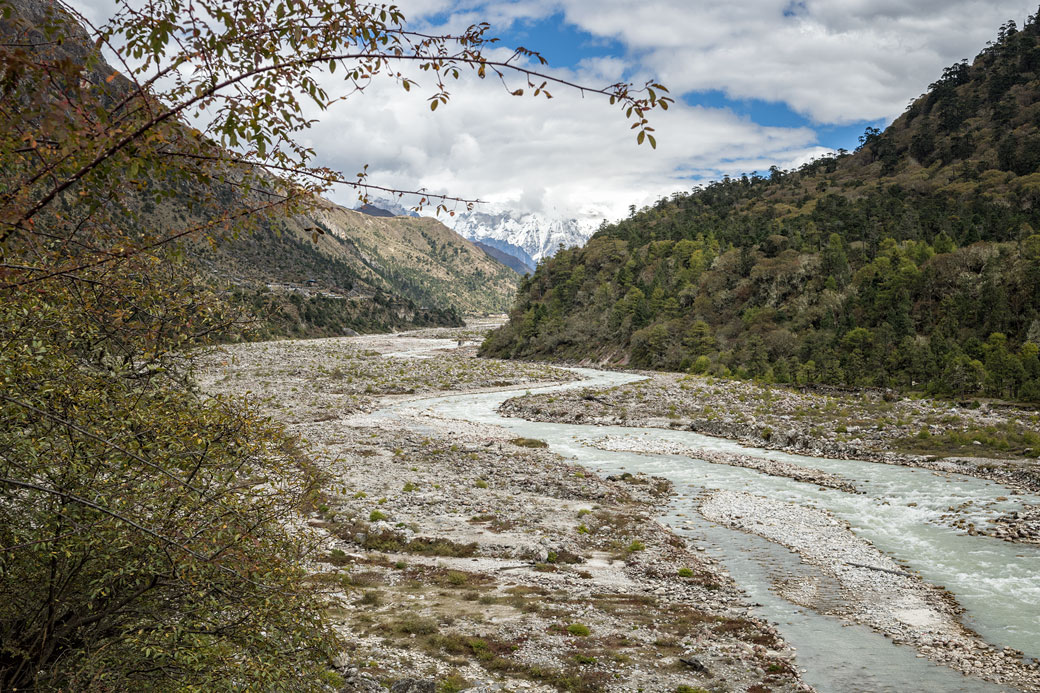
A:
(997, 583)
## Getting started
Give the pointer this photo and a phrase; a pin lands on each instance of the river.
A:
(996, 582)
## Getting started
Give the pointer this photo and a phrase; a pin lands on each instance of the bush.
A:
(148, 538)
(529, 443)
(700, 365)
(578, 629)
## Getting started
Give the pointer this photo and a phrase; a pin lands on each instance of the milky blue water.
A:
(997, 583)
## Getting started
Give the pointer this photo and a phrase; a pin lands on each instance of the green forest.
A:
(912, 262)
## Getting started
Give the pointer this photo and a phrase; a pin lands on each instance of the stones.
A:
(532, 568)
(874, 591)
(414, 686)
(761, 464)
(693, 663)
(812, 421)
(356, 682)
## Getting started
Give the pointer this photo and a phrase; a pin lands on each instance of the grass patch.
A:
(578, 630)
(391, 542)
(494, 523)
(529, 443)
(495, 655)
(1000, 441)
(338, 558)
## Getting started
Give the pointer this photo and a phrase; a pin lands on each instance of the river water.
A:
(997, 583)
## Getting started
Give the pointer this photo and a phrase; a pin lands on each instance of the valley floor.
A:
(463, 555)
(988, 441)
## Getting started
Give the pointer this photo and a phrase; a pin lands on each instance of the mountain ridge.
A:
(539, 235)
(345, 271)
(912, 262)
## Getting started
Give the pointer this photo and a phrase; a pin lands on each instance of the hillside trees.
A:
(146, 532)
(911, 263)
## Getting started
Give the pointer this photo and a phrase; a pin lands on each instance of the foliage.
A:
(143, 529)
(146, 537)
(913, 262)
(578, 629)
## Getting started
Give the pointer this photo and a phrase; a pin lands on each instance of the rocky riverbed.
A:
(863, 585)
(981, 440)
(761, 464)
(464, 558)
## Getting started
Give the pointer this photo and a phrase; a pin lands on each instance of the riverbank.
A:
(1000, 444)
(852, 580)
(858, 583)
(466, 558)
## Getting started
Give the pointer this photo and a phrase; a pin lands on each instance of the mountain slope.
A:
(511, 261)
(912, 262)
(333, 269)
(395, 272)
(422, 259)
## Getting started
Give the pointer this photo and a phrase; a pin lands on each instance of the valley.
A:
(777, 431)
(473, 549)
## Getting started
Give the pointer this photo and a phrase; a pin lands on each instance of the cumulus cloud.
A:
(835, 61)
(568, 155)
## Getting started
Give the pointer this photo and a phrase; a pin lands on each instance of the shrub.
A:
(578, 629)
(529, 443)
(700, 365)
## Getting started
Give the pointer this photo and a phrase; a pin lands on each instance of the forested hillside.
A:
(913, 262)
(294, 264)
(332, 268)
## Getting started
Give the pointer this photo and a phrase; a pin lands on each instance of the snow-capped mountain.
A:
(538, 235)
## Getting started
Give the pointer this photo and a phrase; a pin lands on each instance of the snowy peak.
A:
(538, 235)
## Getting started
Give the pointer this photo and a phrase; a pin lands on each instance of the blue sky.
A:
(758, 83)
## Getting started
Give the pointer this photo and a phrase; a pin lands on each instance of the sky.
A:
(757, 83)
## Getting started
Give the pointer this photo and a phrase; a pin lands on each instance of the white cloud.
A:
(568, 155)
(836, 61)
